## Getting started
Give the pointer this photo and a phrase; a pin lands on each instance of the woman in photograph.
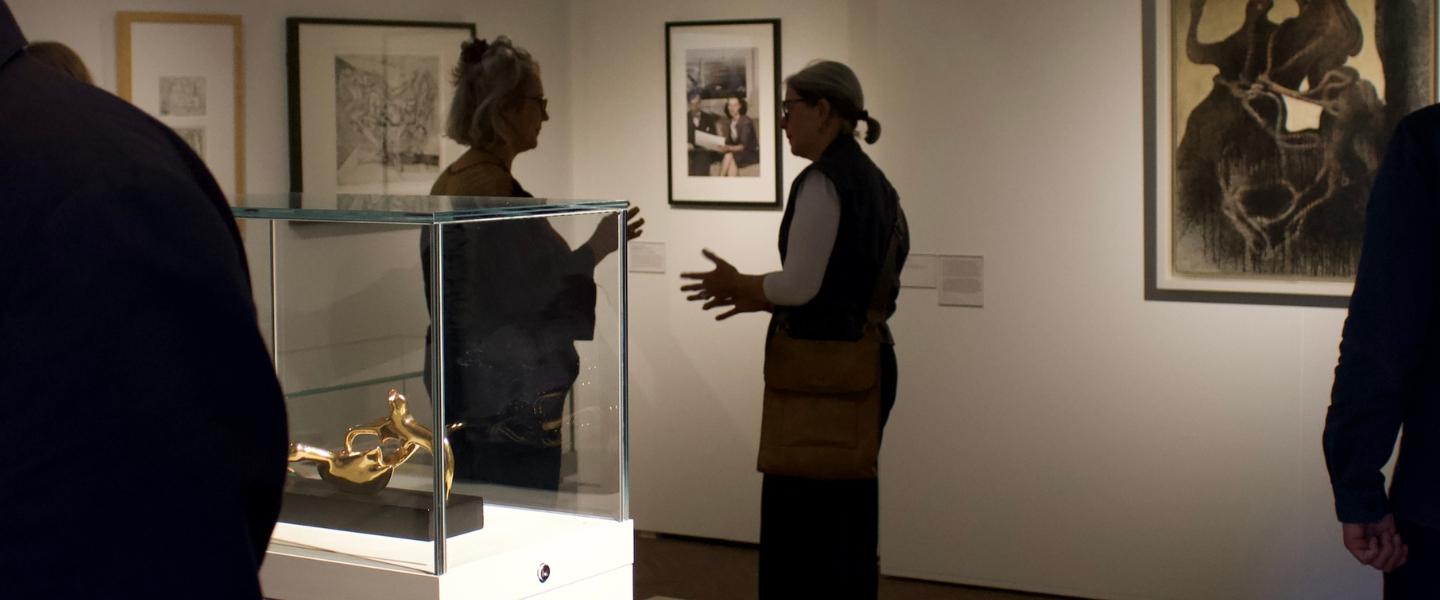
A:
(843, 242)
(517, 297)
(742, 147)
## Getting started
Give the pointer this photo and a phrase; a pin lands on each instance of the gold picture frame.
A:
(169, 70)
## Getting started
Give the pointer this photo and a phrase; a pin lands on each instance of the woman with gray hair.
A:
(843, 242)
(497, 110)
(516, 294)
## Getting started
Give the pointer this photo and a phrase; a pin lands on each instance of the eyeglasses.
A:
(785, 106)
(544, 103)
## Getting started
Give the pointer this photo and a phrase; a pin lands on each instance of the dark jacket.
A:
(145, 435)
(1389, 370)
(869, 213)
(745, 137)
(516, 300)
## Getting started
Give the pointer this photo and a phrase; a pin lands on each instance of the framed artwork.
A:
(722, 98)
(188, 71)
(1265, 124)
(368, 103)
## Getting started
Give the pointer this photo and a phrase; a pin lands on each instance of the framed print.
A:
(722, 98)
(368, 103)
(187, 70)
(1265, 124)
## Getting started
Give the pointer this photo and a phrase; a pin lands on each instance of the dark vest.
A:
(869, 212)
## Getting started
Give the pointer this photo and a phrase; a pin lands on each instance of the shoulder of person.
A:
(71, 143)
(1423, 123)
(813, 181)
(483, 179)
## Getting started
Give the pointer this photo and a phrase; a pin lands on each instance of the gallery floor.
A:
(672, 568)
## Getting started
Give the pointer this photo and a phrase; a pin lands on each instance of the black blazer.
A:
(145, 435)
(744, 137)
(1389, 370)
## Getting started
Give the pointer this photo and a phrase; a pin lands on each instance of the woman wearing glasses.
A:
(517, 296)
(843, 242)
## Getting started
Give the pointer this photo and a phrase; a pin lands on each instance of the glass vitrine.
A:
(453, 367)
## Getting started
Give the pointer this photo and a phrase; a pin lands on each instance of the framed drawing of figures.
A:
(187, 70)
(721, 99)
(368, 103)
(1266, 121)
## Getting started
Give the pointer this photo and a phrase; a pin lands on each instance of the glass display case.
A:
(454, 374)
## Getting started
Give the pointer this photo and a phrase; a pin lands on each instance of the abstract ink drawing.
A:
(386, 118)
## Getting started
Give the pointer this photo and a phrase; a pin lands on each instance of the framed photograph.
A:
(1265, 124)
(722, 98)
(188, 71)
(368, 103)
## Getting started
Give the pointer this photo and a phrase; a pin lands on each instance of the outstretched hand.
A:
(605, 240)
(1376, 544)
(726, 287)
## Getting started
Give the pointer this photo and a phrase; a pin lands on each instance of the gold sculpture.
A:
(369, 472)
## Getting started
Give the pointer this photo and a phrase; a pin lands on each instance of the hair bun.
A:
(473, 50)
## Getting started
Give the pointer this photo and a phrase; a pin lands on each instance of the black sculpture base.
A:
(392, 512)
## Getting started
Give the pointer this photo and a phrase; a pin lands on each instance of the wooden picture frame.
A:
(715, 158)
(188, 71)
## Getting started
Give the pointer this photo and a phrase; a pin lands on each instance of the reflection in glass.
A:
(517, 298)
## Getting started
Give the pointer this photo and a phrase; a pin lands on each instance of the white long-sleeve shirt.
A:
(812, 238)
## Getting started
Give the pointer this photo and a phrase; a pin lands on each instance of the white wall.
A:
(1069, 437)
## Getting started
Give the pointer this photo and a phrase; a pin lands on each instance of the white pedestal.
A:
(588, 557)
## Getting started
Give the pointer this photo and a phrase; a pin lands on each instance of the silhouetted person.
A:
(517, 297)
(1388, 378)
(145, 432)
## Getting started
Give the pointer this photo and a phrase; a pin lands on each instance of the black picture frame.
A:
(435, 40)
(709, 54)
(1305, 270)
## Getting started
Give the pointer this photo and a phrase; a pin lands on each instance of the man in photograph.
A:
(699, 120)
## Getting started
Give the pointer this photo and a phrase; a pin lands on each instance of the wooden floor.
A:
(672, 568)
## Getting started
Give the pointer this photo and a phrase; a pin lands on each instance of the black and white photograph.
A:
(722, 96)
(1277, 117)
(182, 96)
(188, 71)
(368, 102)
(719, 93)
(386, 118)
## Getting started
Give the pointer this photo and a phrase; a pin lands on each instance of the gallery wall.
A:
(1068, 437)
